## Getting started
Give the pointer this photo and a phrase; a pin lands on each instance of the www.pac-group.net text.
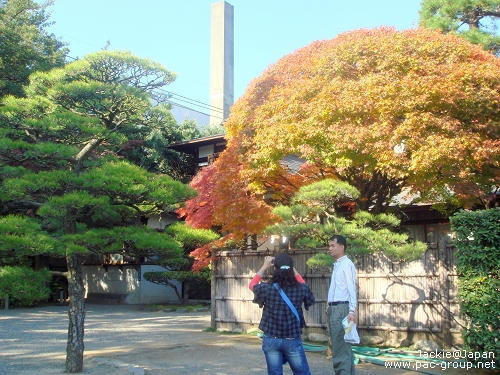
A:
(456, 359)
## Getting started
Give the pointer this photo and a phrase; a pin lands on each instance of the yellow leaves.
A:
(344, 104)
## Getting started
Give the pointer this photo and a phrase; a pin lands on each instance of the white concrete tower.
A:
(221, 62)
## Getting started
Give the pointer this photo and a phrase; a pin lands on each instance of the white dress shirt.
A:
(343, 283)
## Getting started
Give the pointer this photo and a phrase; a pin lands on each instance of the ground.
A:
(124, 339)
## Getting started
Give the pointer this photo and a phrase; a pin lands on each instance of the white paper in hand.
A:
(347, 325)
(351, 333)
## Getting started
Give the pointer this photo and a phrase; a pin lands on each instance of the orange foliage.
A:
(198, 211)
(238, 210)
(344, 104)
(203, 255)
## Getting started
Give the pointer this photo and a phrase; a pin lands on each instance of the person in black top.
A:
(282, 328)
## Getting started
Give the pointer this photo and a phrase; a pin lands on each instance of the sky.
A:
(176, 33)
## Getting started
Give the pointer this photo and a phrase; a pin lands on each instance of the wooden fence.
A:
(412, 300)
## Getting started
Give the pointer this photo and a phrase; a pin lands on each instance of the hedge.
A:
(23, 285)
(478, 264)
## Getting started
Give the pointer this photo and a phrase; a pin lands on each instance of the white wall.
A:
(160, 222)
(125, 280)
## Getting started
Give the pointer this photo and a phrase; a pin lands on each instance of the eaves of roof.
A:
(198, 142)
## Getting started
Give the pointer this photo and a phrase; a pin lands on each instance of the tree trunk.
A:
(185, 293)
(76, 291)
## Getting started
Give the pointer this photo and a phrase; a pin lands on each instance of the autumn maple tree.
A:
(390, 112)
(218, 200)
(380, 109)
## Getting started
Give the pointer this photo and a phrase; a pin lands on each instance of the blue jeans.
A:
(279, 351)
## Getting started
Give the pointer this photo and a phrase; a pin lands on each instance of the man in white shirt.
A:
(342, 302)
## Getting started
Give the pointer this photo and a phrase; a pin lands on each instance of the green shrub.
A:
(190, 237)
(317, 212)
(23, 285)
(478, 265)
(320, 259)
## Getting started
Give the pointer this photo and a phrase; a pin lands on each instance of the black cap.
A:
(283, 261)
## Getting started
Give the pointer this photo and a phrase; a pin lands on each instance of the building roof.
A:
(189, 146)
(292, 163)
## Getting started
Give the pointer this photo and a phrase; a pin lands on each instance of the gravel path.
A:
(123, 340)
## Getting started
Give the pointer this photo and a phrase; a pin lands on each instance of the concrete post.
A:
(221, 61)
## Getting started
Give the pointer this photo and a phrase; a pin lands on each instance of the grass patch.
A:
(254, 333)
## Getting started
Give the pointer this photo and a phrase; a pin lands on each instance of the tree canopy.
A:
(380, 109)
(317, 212)
(390, 112)
(64, 171)
(25, 45)
(474, 20)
